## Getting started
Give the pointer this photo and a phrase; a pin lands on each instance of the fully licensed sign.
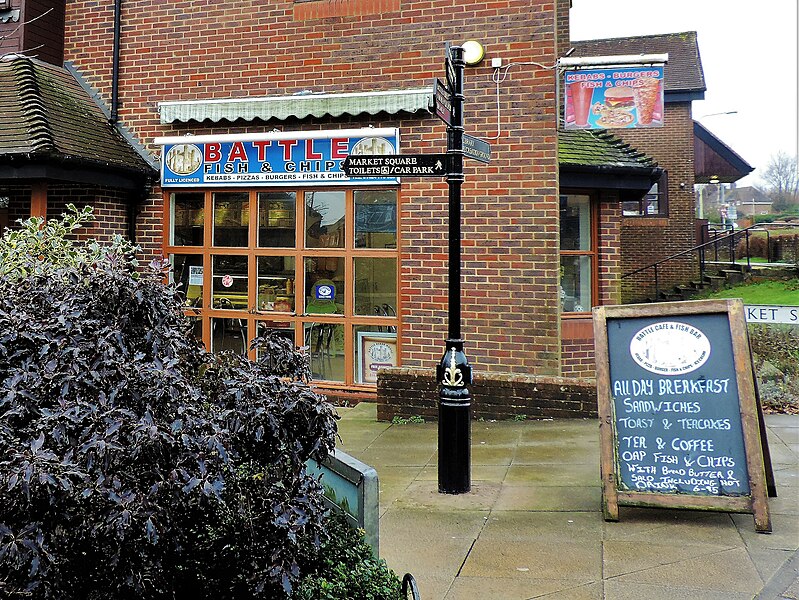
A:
(679, 417)
(272, 159)
(401, 165)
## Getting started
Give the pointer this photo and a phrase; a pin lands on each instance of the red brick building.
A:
(355, 269)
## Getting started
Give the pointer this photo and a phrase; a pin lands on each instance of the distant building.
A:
(749, 201)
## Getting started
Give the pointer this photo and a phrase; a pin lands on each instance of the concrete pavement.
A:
(532, 526)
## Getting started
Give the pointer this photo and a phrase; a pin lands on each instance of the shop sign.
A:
(272, 159)
(627, 97)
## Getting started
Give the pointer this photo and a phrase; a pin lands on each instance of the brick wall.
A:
(403, 392)
(199, 50)
(110, 209)
(646, 240)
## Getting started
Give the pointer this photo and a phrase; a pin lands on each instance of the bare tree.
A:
(781, 179)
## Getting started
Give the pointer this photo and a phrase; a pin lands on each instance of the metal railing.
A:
(721, 246)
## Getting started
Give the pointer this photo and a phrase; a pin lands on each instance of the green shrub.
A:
(134, 464)
(343, 568)
(775, 349)
(40, 247)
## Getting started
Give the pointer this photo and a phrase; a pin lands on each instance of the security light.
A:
(473, 52)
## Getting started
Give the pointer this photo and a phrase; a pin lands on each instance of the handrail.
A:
(409, 585)
(739, 233)
(695, 248)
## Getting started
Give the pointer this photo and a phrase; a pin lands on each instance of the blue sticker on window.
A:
(325, 292)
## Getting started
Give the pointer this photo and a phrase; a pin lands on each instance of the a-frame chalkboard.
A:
(680, 425)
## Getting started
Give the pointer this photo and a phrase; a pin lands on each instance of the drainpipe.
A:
(115, 69)
(133, 212)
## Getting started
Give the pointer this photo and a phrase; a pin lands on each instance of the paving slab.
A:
(498, 588)
(532, 525)
(617, 590)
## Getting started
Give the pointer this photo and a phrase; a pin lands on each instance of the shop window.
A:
(276, 276)
(229, 335)
(325, 289)
(318, 267)
(187, 273)
(276, 219)
(577, 254)
(653, 204)
(324, 219)
(375, 286)
(187, 226)
(375, 219)
(231, 219)
(325, 347)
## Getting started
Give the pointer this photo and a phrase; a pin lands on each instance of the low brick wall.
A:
(405, 393)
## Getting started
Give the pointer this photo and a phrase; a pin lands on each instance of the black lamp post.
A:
(454, 373)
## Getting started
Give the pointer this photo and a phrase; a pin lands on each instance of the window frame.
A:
(662, 198)
(298, 317)
(592, 252)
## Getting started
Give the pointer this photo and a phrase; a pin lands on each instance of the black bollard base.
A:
(454, 421)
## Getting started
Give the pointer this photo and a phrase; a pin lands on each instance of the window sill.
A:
(576, 326)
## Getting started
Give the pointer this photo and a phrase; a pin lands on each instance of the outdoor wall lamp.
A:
(4, 201)
(473, 53)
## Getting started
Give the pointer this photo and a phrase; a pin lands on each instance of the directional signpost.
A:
(396, 165)
(454, 374)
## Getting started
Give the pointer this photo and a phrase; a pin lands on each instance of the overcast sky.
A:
(749, 57)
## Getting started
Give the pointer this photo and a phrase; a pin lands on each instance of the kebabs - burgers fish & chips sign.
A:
(623, 97)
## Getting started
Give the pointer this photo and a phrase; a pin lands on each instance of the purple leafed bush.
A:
(135, 464)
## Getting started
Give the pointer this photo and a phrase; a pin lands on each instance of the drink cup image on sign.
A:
(646, 92)
(581, 94)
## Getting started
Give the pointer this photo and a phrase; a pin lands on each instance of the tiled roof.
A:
(600, 149)
(45, 114)
(683, 73)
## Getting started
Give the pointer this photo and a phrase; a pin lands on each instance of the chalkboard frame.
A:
(755, 447)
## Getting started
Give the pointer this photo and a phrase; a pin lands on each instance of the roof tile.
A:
(598, 148)
(683, 72)
(44, 112)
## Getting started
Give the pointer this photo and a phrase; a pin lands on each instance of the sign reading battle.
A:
(614, 98)
(270, 159)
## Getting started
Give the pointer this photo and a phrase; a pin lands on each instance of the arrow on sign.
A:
(395, 165)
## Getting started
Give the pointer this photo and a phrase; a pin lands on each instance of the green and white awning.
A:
(299, 106)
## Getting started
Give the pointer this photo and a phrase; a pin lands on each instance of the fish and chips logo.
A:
(373, 145)
(670, 348)
(380, 353)
(183, 159)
